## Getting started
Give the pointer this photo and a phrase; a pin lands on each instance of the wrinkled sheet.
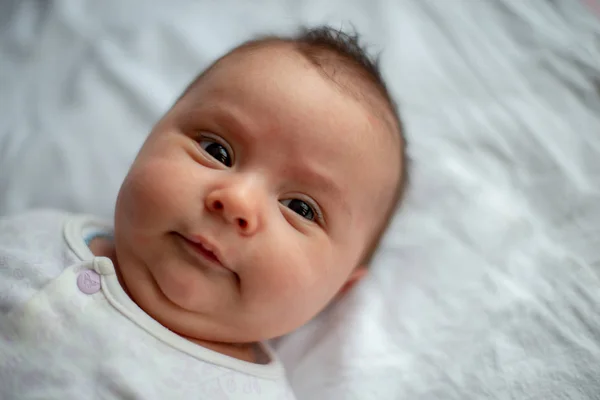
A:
(487, 284)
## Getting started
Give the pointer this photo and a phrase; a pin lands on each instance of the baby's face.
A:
(278, 174)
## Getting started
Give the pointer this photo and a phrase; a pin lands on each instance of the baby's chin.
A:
(218, 324)
(186, 303)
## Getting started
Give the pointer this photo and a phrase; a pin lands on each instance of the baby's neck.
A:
(104, 247)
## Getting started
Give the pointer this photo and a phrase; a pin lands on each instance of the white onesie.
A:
(69, 331)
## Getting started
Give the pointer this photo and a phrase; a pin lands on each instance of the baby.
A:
(255, 200)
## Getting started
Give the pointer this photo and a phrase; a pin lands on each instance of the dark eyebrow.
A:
(313, 179)
(229, 121)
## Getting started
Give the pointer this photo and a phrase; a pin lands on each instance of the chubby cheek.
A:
(295, 281)
(152, 196)
(157, 197)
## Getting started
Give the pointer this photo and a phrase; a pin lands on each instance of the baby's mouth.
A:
(209, 254)
(204, 250)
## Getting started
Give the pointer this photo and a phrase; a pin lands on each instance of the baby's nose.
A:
(218, 206)
(236, 206)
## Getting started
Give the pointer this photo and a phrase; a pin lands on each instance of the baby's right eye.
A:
(216, 150)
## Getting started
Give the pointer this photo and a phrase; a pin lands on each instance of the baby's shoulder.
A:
(33, 233)
(33, 251)
(30, 223)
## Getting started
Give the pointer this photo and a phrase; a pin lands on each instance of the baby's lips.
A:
(209, 246)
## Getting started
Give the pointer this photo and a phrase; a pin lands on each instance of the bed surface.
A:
(486, 286)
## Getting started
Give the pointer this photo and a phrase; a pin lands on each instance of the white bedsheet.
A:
(486, 287)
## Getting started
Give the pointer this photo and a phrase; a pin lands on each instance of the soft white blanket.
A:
(486, 287)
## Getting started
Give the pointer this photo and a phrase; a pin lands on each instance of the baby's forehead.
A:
(345, 76)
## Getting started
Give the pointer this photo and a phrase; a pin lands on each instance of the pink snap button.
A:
(88, 281)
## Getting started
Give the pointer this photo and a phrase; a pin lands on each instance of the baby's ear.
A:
(355, 276)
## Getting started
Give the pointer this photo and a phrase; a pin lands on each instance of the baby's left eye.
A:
(300, 207)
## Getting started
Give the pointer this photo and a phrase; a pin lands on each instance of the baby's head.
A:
(263, 191)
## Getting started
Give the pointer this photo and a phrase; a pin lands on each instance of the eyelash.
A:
(317, 212)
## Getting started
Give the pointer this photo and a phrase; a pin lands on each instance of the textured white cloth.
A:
(64, 335)
(487, 285)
